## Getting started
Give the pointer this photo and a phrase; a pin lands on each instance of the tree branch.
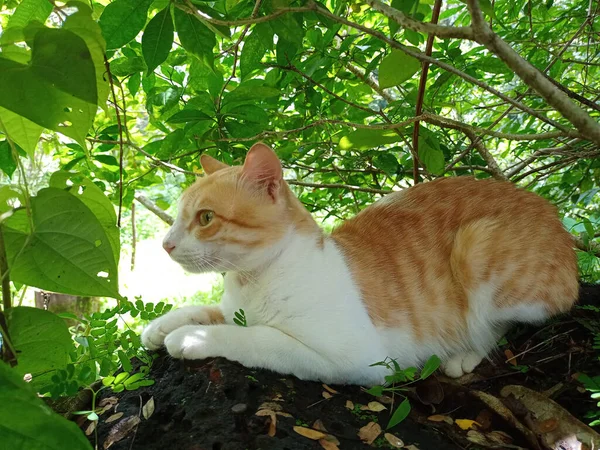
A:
(339, 186)
(429, 28)
(153, 207)
(532, 76)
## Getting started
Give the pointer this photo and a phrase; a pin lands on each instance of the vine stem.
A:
(8, 353)
(121, 142)
(422, 84)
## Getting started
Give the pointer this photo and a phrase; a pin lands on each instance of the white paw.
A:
(154, 334)
(190, 342)
(458, 365)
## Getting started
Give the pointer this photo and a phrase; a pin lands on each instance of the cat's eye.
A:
(205, 217)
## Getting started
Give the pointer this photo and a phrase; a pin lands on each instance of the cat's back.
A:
(427, 247)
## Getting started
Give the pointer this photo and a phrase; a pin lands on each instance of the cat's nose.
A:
(168, 246)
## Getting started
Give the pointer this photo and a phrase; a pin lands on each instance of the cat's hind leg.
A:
(460, 364)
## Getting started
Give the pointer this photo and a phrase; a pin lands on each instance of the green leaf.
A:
(194, 36)
(400, 414)
(396, 68)
(91, 195)
(158, 39)
(188, 115)
(120, 378)
(377, 391)
(67, 251)
(127, 367)
(57, 90)
(252, 54)
(430, 153)
(122, 20)
(248, 92)
(42, 341)
(27, 12)
(386, 162)
(363, 139)
(430, 366)
(7, 163)
(26, 422)
(20, 130)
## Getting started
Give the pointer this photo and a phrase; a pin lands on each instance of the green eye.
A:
(205, 217)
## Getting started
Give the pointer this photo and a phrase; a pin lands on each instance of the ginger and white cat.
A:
(441, 268)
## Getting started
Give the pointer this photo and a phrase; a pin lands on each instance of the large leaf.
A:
(157, 39)
(252, 54)
(82, 24)
(95, 200)
(57, 90)
(363, 139)
(396, 68)
(400, 414)
(67, 250)
(42, 341)
(27, 423)
(248, 93)
(22, 131)
(28, 11)
(122, 20)
(430, 152)
(194, 36)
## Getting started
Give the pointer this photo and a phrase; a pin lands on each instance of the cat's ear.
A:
(210, 164)
(263, 167)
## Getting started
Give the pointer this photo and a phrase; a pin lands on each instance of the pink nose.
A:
(169, 247)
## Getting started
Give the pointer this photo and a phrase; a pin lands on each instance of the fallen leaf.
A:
(484, 418)
(277, 398)
(441, 418)
(121, 430)
(106, 404)
(114, 417)
(328, 445)
(548, 425)
(386, 400)
(393, 440)
(369, 432)
(271, 406)
(332, 438)
(430, 391)
(376, 406)
(91, 427)
(330, 390)
(499, 437)
(411, 447)
(349, 404)
(477, 438)
(273, 426)
(466, 424)
(283, 414)
(148, 408)
(264, 412)
(318, 425)
(326, 395)
(309, 433)
(510, 357)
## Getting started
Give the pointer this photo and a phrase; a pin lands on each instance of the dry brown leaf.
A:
(466, 424)
(114, 417)
(318, 425)
(107, 404)
(148, 408)
(273, 426)
(91, 427)
(121, 430)
(441, 418)
(277, 398)
(328, 445)
(386, 400)
(264, 412)
(510, 357)
(369, 432)
(271, 406)
(500, 437)
(284, 414)
(329, 389)
(349, 404)
(310, 433)
(547, 425)
(332, 438)
(394, 441)
(411, 447)
(326, 395)
(484, 418)
(376, 406)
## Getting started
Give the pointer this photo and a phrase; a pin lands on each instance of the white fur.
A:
(305, 317)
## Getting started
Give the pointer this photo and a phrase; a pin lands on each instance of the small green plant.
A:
(301, 423)
(592, 385)
(240, 318)
(403, 377)
(362, 414)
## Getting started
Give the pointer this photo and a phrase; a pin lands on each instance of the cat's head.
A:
(233, 218)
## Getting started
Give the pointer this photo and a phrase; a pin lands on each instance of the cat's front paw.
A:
(191, 342)
(154, 334)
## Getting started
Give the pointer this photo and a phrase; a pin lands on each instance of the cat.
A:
(443, 268)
